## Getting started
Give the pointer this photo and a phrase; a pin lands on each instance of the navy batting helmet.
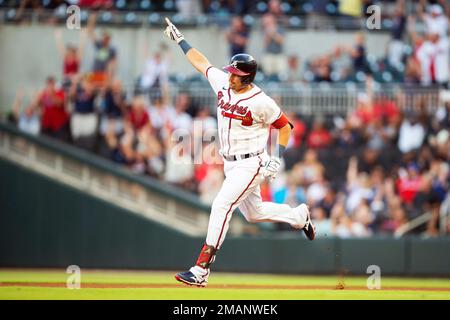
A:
(243, 65)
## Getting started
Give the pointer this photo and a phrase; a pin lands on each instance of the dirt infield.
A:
(340, 286)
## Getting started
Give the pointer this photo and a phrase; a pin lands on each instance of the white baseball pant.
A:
(241, 190)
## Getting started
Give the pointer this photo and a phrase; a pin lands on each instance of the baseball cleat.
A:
(309, 229)
(191, 279)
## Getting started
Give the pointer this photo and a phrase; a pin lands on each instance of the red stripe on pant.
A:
(226, 215)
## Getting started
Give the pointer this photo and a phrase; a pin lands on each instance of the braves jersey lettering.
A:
(229, 107)
(243, 119)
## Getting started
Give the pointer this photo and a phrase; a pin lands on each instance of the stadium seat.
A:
(145, 5)
(296, 22)
(132, 19)
(154, 18)
(261, 7)
(169, 5)
(307, 7)
(286, 7)
(120, 4)
(105, 17)
(332, 9)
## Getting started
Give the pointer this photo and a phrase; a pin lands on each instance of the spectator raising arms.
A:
(105, 56)
(71, 56)
(435, 16)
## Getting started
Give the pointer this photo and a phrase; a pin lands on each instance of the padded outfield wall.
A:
(44, 223)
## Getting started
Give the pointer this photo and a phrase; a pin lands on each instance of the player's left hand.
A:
(172, 32)
(272, 167)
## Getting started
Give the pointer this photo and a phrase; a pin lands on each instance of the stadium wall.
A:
(28, 54)
(46, 224)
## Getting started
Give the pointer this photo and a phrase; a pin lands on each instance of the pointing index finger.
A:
(168, 21)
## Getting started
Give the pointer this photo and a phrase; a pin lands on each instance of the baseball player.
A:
(244, 115)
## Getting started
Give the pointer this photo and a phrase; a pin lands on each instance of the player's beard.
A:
(239, 88)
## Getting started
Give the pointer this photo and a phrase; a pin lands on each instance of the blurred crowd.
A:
(371, 171)
(365, 173)
(417, 53)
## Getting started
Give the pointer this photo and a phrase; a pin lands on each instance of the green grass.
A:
(411, 288)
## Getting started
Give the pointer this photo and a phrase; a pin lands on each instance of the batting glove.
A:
(172, 32)
(272, 167)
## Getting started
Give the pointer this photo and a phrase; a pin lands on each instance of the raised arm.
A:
(421, 9)
(59, 43)
(73, 87)
(411, 27)
(446, 6)
(91, 25)
(352, 171)
(195, 57)
(400, 5)
(83, 39)
(198, 60)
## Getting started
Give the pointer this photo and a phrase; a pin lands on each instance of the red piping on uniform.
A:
(229, 144)
(229, 124)
(206, 72)
(226, 215)
(249, 97)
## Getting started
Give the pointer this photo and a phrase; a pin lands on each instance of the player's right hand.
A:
(172, 32)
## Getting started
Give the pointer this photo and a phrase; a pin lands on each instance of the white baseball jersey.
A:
(243, 120)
